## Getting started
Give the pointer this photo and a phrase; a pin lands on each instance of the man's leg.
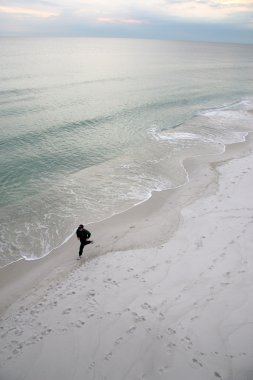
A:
(83, 243)
(81, 248)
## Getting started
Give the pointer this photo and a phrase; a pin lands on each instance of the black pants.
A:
(83, 243)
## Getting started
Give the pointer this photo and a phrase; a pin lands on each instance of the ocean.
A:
(91, 127)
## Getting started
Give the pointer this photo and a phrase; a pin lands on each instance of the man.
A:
(83, 234)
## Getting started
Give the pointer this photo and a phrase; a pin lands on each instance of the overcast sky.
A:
(204, 20)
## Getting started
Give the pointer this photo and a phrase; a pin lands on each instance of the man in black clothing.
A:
(83, 234)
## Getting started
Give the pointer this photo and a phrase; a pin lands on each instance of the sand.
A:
(165, 292)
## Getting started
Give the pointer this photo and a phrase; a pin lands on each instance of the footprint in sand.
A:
(108, 356)
(225, 283)
(171, 331)
(18, 332)
(161, 316)
(69, 293)
(163, 369)
(148, 307)
(142, 377)
(197, 362)
(199, 244)
(131, 330)
(67, 311)
(138, 318)
(187, 342)
(170, 346)
(118, 341)
(17, 350)
(80, 324)
(194, 317)
(91, 366)
(91, 293)
(46, 331)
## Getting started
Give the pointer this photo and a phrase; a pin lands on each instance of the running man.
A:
(83, 235)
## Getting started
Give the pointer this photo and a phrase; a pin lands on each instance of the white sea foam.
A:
(237, 111)
(175, 137)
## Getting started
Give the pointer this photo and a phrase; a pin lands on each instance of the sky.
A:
(197, 20)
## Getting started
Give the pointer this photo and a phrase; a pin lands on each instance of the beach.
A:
(83, 141)
(165, 291)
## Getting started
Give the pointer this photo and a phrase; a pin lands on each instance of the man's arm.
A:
(88, 234)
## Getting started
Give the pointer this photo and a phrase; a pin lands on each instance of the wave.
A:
(41, 90)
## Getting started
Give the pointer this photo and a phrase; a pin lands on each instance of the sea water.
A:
(91, 127)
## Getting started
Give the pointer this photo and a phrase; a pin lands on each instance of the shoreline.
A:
(20, 276)
(70, 236)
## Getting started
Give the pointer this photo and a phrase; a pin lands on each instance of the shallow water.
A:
(90, 127)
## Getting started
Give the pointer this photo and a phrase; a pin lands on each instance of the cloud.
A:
(174, 19)
(110, 20)
(210, 10)
(27, 11)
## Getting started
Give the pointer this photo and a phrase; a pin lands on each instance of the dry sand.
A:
(165, 292)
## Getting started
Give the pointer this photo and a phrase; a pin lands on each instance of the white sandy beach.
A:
(165, 292)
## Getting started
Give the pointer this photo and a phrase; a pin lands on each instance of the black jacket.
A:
(83, 234)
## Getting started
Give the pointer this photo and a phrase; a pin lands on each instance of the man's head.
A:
(81, 226)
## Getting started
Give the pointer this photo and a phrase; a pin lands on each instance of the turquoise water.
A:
(90, 127)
